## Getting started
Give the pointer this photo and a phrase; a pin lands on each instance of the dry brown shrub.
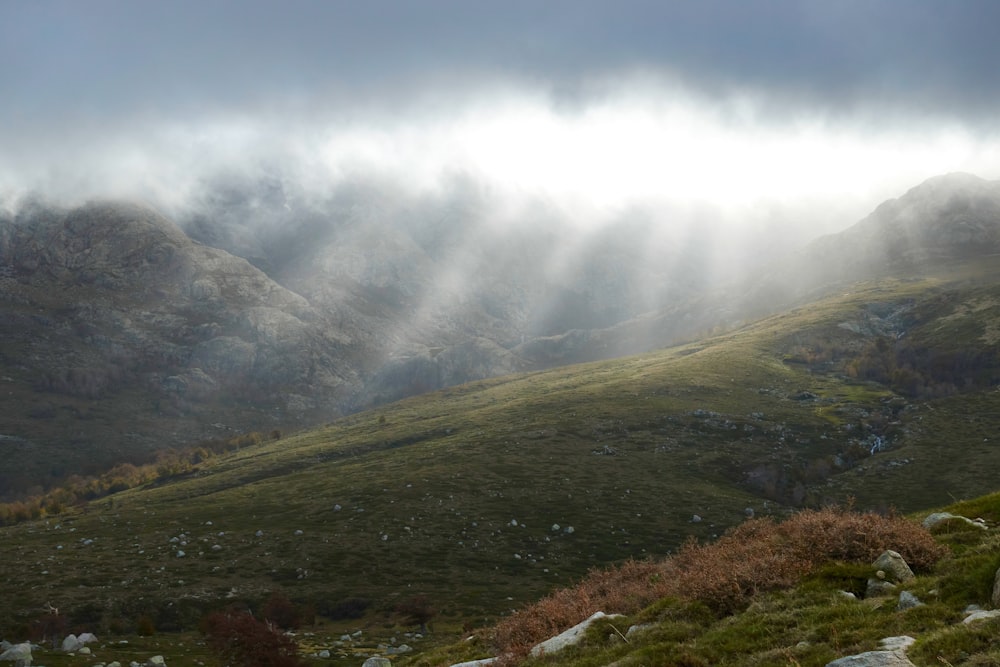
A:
(622, 589)
(757, 556)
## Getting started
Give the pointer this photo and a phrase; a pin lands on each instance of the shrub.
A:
(145, 627)
(416, 610)
(284, 613)
(240, 639)
(757, 556)
(348, 608)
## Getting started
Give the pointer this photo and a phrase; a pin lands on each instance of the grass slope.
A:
(422, 496)
(811, 623)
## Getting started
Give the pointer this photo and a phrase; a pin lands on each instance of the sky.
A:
(803, 113)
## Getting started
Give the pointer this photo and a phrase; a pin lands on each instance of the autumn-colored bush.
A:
(757, 556)
(283, 613)
(416, 610)
(241, 639)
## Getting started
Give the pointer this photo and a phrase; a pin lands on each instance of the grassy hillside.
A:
(486, 496)
(794, 593)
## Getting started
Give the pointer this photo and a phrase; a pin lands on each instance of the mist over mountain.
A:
(945, 219)
(261, 307)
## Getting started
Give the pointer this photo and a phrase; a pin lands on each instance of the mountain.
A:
(488, 495)
(124, 332)
(945, 220)
(120, 335)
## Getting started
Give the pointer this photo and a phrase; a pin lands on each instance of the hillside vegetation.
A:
(792, 593)
(483, 497)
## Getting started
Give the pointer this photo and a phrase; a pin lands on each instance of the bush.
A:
(757, 556)
(284, 613)
(349, 608)
(145, 627)
(240, 639)
(416, 610)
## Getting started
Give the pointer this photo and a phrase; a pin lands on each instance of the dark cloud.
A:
(67, 59)
(112, 96)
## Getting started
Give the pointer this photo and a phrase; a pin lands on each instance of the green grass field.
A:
(487, 496)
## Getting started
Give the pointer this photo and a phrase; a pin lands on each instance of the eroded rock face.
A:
(113, 304)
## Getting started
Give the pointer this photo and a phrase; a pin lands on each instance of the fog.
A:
(688, 142)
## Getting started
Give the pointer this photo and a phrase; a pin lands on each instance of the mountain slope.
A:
(121, 336)
(468, 495)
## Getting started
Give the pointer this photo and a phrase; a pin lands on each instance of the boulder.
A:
(71, 644)
(19, 654)
(873, 659)
(908, 600)
(895, 568)
(156, 661)
(569, 637)
(892, 654)
(877, 585)
(981, 615)
(900, 643)
(476, 663)
(940, 517)
(377, 661)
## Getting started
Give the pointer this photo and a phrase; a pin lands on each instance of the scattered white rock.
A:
(476, 663)
(908, 600)
(180, 554)
(402, 648)
(259, 533)
(874, 659)
(555, 527)
(695, 519)
(939, 517)
(900, 643)
(156, 661)
(323, 654)
(18, 653)
(568, 637)
(981, 615)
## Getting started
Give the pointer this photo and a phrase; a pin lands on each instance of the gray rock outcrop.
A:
(569, 637)
(894, 566)
(892, 653)
(908, 600)
(19, 654)
(936, 518)
(873, 659)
